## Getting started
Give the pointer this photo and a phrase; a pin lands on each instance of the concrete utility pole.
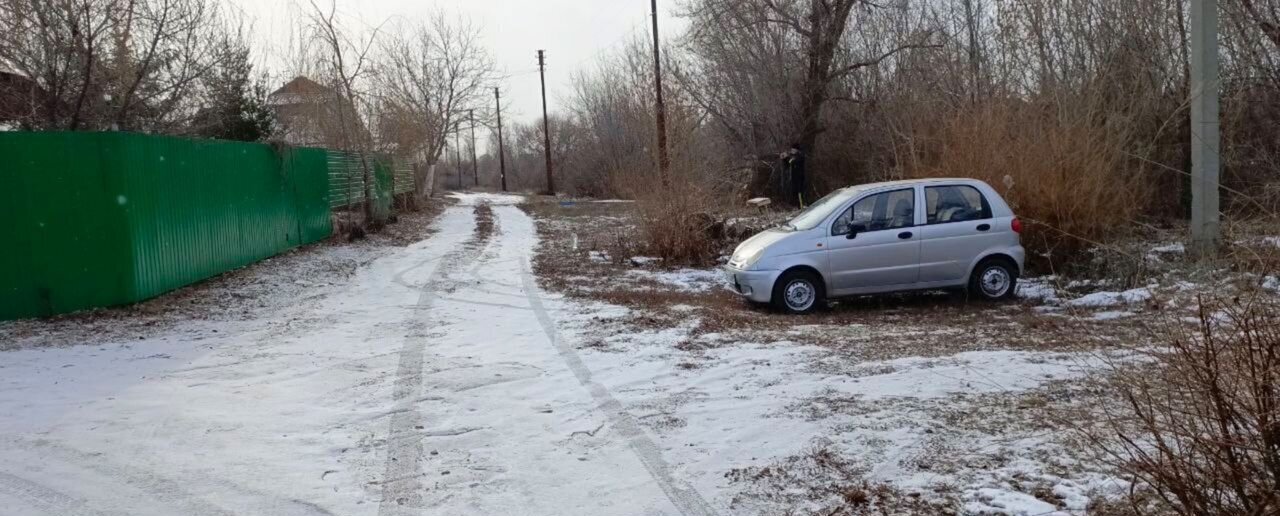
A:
(664, 160)
(502, 156)
(475, 166)
(1206, 139)
(546, 125)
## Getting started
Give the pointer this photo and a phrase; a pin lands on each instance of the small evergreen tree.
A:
(237, 107)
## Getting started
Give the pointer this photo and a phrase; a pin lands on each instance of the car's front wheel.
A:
(994, 280)
(799, 292)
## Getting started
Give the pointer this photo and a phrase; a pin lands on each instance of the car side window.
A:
(959, 203)
(880, 212)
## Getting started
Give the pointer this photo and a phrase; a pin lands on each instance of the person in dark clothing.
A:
(794, 159)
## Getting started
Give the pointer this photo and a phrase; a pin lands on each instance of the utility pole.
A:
(457, 153)
(502, 157)
(664, 161)
(1206, 138)
(475, 167)
(546, 125)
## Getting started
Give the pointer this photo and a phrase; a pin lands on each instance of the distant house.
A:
(312, 115)
(22, 101)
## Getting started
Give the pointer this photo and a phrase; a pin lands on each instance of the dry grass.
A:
(1071, 180)
(823, 482)
(868, 328)
(484, 222)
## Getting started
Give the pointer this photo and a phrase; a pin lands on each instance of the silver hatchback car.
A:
(885, 237)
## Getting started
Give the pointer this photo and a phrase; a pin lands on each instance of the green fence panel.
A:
(346, 181)
(103, 219)
(63, 215)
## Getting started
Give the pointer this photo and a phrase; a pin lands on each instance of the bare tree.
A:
(781, 53)
(345, 63)
(430, 74)
(125, 64)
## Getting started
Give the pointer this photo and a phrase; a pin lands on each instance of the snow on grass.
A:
(1110, 299)
(474, 198)
(1002, 501)
(1040, 289)
(684, 280)
(1174, 248)
(741, 404)
(1112, 315)
(977, 372)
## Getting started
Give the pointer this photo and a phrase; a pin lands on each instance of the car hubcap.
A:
(800, 295)
(995, 282)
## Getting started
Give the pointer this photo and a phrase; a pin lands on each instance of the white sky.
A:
(573, 32)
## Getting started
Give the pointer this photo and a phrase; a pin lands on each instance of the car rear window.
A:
(956, 203)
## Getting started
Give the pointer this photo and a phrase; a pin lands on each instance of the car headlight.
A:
(747, 261)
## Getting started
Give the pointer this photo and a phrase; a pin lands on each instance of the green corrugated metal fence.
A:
(101, 219)
(346, 182)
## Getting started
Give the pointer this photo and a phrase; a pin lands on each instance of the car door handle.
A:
(984, 227)
(906, 235)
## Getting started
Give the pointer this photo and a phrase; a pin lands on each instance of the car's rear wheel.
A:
(995, 279)
(799, 292)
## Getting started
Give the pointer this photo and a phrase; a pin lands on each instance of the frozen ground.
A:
(914, 404)
(440, 378)
(433, 382)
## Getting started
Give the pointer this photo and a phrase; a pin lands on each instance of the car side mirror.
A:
(854, 229)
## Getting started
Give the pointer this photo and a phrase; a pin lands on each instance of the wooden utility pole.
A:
(1206, 136)
(546, 125)
(502, 158)
(457, 153)
(664, 160)
(475, 166)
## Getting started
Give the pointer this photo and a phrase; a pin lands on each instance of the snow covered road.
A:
(434, 383)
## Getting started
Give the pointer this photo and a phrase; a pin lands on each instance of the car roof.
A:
(909, 182)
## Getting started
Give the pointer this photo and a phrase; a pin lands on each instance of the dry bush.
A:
(1071, 181)
(676, 223)
(1197, 423)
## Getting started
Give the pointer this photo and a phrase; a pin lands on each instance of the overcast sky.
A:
(573, 32)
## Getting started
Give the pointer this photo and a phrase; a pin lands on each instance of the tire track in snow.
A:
(682, 495)
(160, 490)
(167, 491)
(44, 498)
(402, 482)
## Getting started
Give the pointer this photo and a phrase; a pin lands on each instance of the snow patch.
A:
(684, 280)
(474, 198)
(1109, 299)
(1000, 501)
(1040, 289)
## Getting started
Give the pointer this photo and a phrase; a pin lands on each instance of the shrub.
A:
(1198, 420)
(676, 223)
(1072, 181)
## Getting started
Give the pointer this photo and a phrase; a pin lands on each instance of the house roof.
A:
(301, 85)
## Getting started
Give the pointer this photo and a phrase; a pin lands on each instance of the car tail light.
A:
(1017, 225)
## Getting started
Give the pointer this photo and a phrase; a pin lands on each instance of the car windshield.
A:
(812, 216)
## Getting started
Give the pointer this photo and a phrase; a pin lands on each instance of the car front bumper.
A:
(754, 285)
